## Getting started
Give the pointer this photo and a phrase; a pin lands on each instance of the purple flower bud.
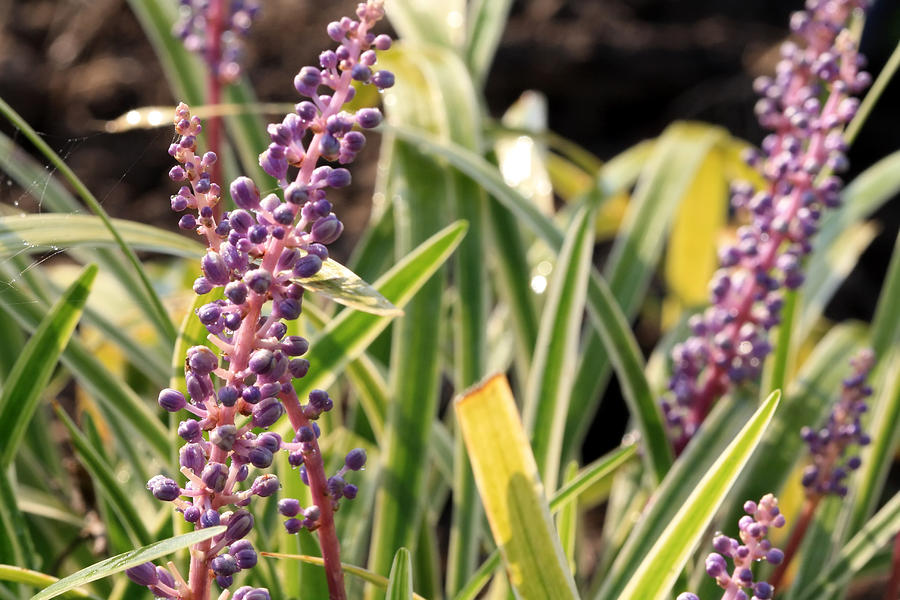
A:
(191, 514)
(202, 360)
(267, 412)
(383, 79)
(144, 574)
(368, 117)
(210, 518)
(289, 507)
(356, 459)
(251, 394)
(273, 162)
(327, 229)
(202, 286)
(240, 220)
(261, 458)
(245, 193)
(715, 565)
(265, 485)
(189, 430)
(687, 596)
(214, 268)
(338, 178)
(239, 525)
(307, 80)
(319, 250)
(382, 42)
(224, 436)
(214, 475)
(192, 456)
(294, 345)
(293, 525)
(298, 368)
(228, 395)
(163, 488)
(288, 308)
(171, 400)
(269, 440)
(307, 266)
(248, 593)
(258, 280)
(261, 361)
(224, 581)
(224, 564)
(329, 146)
(244, 554)
(320, 400)
(361, 72)
(295, 458)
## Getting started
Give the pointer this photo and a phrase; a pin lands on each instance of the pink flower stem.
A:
(214, 90)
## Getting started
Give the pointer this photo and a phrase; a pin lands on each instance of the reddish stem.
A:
(893, 586)
(797, 534)
(214, 25)
(318, 485)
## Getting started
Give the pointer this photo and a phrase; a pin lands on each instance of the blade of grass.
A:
(38, 580)
(486, 21)
(400, 584)
(512, 493)
(22, 391)
(16, 545)
(154, 307)
(550, 380)
(659, 569)
(567, 521)
(886, 323)
(119, 563)
(103, 475)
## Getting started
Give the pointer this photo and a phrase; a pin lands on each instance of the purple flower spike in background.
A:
(828, 445)
(232, 23)
(806, 105)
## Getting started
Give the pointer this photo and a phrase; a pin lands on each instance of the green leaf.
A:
(567, 522)
(16, 545)
(486, 21)
(368, 576)
(338, 283)
(37, 579)
(614, 328)
(513, 496)
(104, 476)
(659, 569)
(115, 564)
(853, 556)
(52, 232)
(400, 584)
(348, 334)
(886, 322)
(155, 309)
(439, 23)
(719, 429)
(23, 389)
(550, 380)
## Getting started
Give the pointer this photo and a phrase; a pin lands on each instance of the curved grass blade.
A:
(437, 23)
(550, 380)
(368, 576)
(400, 584)
(348, 334)
(157, 311)
(116, 396)
(16, 545)
(486, 21)
(659, 569)
(612, 324)
(38, 580)
(118, 563)
(103, 475)
(22, 390)
(45, 232)
(338, 283)
(886, 322)
(512, 493)
(719, 429)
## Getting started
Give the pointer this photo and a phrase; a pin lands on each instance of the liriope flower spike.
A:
(806, 105)
(232, 20)
(829, 444)
(256, 253)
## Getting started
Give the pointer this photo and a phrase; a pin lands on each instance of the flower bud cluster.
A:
(828, 445)
(193, 28)
(258, 255)
(333, 135)
(806, 105)
(752, 547)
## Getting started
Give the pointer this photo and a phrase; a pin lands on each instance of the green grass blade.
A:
(400, 584)
(102, 474)
(438, 23)
(22, 391)
(720, 428)
(115, 564)
(46, 232)
(615, 330)
(512, 493)
(38, 580)
(862, 547)
(16, 545)
(368, 576)
(348, 334)
(886, 322)
(550, 380)
(659, 569)
(567, 522)
(155, 309)
(487, 19)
